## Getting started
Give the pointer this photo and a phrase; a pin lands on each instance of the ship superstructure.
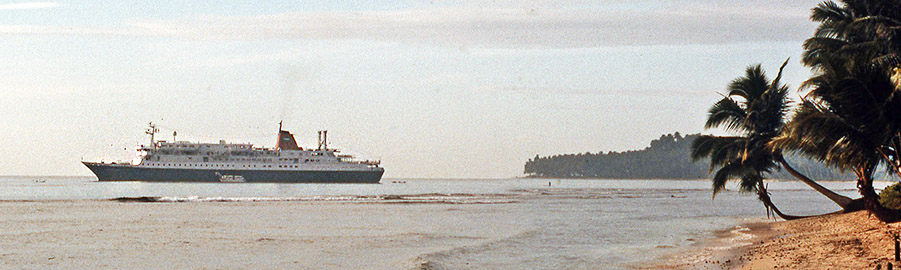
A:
(181, 161)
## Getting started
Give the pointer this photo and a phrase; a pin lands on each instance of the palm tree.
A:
(823, 130)
(754, 109)
(870, 29)
(850, 117)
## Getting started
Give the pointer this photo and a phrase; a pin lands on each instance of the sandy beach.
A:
(840, 241)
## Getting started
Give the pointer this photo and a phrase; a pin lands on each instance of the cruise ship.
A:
(181, 161)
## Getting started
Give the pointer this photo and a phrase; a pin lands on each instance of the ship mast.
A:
(278, 137)
(323, 140)
(152, 132)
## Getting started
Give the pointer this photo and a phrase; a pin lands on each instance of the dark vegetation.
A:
(667, 157)
(848, 117)
(891, 196)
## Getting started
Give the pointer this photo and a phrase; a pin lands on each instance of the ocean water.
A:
(400, 223)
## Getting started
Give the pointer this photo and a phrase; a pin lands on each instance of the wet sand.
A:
(841, 241)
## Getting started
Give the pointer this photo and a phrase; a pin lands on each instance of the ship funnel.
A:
(286, 141)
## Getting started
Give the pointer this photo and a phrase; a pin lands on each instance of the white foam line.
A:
(371, 199)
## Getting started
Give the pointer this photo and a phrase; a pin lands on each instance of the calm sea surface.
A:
(547, 223)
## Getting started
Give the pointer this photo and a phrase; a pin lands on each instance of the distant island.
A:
(666, 158)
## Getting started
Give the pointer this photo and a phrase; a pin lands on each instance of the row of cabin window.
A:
(228, 165)
(296, 160)
(241, 159)
(252, 159)
(229, 159)
(217, 165)
(191, 146)
(207, 146)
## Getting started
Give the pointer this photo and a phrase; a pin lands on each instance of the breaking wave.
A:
(737, 237)
(456, 257)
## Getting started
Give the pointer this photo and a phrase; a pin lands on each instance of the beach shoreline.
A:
(836, 241)
(723, 250)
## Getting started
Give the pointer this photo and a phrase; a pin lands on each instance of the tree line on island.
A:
(667, 157)
(848, 116)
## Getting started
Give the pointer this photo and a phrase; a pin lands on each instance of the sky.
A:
(433, 89)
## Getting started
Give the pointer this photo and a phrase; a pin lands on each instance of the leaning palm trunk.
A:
(847, 204)
(764, 197)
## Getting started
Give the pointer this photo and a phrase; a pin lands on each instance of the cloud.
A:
(471, 27)
(29, 5)
(62, 30)
(592, 91)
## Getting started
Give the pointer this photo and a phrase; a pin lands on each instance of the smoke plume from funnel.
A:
(291, 77)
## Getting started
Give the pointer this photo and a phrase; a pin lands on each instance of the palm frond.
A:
(876, 20)
(727, 151)
(749, 182)
(775, 82)
(828, 12)
(751, 85)
(733, 170)
(726, 113)
(718, 149)
(824, 136)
